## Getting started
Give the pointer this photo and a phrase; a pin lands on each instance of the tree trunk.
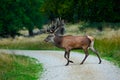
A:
(30, 32)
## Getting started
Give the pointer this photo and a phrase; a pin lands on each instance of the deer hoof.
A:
(100, 62)
(81, 63)
(71, 61)
(66, 65)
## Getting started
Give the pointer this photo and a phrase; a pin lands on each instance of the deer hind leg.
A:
(92, 48)
(95, 51)
(66, 55)
(86, 55)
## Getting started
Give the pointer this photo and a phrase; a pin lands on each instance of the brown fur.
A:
(70, 42)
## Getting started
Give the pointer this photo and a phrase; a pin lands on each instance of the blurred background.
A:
(98, 18)
(16, 15)
(23, 25)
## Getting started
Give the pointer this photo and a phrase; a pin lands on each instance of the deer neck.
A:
(58, 41)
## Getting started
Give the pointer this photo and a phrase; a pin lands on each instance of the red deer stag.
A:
(57, 27)
(70, 42)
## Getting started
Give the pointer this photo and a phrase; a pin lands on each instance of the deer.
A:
(57, 26)
(70, 42)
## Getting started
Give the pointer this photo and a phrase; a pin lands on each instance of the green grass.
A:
(36, 45)
(33, 43)
(109, 48)
(107, 41)
(17, 67)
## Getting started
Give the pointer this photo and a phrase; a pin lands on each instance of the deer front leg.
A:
(68, 58)
(66, 55)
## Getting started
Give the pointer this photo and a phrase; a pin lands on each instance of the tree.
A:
(85, 10)
(9, 18)
(32, 15)
(16, 14)
(58, 8)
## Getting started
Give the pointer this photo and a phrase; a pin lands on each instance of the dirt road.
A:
(54, 62)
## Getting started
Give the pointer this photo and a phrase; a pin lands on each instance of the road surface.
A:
(55, 69)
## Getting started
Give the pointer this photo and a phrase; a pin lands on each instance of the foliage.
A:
(99, 25)
(109, 48)
(16, 67)
(33, 15)
(85, 10)
(57, 8)
(22, 43)
(16, 14)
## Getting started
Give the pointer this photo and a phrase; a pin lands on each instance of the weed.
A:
(16, 67)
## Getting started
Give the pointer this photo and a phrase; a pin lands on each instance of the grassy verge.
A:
(22, 43)
(109, 48)
(17, 67)
(107, 41)
(35, 45)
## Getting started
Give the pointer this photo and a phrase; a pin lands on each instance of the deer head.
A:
(57, 27)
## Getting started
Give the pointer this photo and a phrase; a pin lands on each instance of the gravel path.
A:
(54, 62)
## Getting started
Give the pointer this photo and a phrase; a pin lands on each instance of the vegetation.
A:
(23, 43)
(83, 10)
(17, 14)
(16, 67)
(109, 48)
(107, 41)
(99, 25)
